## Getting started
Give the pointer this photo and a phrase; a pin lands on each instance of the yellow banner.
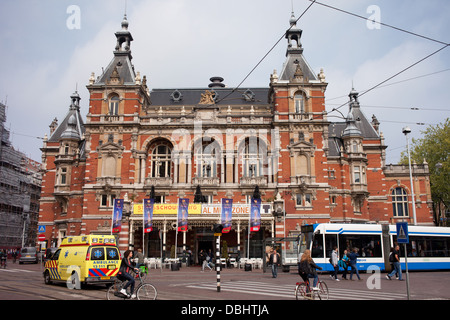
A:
(167, 209)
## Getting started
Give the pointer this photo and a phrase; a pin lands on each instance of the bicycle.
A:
(143, 291)
(303, 290)
(143, 271)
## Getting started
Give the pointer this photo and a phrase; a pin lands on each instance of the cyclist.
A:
(124, 274)
(307, 268)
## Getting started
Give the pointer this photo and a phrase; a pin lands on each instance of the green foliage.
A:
(434, 148)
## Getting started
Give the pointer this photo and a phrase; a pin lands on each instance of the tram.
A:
(428, 248)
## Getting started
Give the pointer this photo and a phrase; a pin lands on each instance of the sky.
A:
(51, 47)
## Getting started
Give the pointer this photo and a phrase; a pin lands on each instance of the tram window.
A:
(330, 243)
(368, 245)
(427, 246)
(317, 246)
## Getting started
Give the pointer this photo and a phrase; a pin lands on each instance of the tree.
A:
(434, 148)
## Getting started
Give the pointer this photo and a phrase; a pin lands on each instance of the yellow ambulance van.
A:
(90, 259)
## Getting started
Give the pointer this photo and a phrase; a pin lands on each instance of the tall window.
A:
(252, 157)
(160, 161)
(207, 159)
(359, 174)
(400, 202)
(63, 176)
(114, 106)
(299, 103)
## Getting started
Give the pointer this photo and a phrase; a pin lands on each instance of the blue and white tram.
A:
(428, 248)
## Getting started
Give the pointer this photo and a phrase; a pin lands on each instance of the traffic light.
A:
(217, 228)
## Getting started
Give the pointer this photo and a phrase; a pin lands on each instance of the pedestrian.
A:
(334, 263)
(396, 262)
(140, 258)
(274, 260)
(205, 260)
(352, 258)
(307, 268)
(344, 263)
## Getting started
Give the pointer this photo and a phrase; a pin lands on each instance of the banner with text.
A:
(183, 211)
(117, 215)
(148, 215)
(255, 215)
(227, 210)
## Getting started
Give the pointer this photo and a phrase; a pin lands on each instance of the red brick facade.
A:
(227, 142)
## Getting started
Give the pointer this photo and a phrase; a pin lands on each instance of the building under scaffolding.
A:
(20, 188)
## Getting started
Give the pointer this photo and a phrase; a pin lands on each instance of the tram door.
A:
(330, 243)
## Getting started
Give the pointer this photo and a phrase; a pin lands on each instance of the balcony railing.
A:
(206, 181)
(252, 181)
(158, 182)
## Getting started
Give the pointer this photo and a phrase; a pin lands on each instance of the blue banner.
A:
(183, 207)
(255, 215)
(227, 208)
(117, 215)
(148, 215)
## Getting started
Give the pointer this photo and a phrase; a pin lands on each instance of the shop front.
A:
(164, 240)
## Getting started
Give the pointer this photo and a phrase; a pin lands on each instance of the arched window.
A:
(114, 106)
(400, 202)
(161, 160)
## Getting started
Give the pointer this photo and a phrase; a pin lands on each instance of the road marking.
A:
(17, 270)
(288, 291)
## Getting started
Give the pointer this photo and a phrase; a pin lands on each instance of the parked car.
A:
(28, 254)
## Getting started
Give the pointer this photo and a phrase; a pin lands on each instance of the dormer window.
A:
(176, 96)
(248, 95)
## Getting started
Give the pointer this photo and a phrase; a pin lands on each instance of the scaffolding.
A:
(19, 193)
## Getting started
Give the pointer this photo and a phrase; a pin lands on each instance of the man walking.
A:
(275, 262)
(396, 262)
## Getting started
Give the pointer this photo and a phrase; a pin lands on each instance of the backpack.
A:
(392, 257)
(304, 267)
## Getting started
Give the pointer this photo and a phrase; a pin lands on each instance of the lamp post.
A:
(405, 131)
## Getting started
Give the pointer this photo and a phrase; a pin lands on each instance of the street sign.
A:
(41, 229)
(402, 232)
(41, 237)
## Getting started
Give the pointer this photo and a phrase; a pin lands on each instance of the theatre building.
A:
(220, 143)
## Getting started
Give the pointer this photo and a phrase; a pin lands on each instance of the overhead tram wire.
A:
(446, 44)
(268, 52)
(398, 82)
(254, 68)
(393, 76)
(381, 23)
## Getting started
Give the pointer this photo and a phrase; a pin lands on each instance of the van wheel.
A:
(47, 279)
(74, 281)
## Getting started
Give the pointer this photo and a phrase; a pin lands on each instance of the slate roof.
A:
(225, 96)
(336, 131)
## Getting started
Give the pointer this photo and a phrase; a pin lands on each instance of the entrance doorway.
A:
(204, 240)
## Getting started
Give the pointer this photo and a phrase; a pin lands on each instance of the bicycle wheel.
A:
(302, 292)
(113, 291)
(143, 274)
(146, 292)
(323, 291)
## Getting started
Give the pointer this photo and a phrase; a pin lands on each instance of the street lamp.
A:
(405, 131)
